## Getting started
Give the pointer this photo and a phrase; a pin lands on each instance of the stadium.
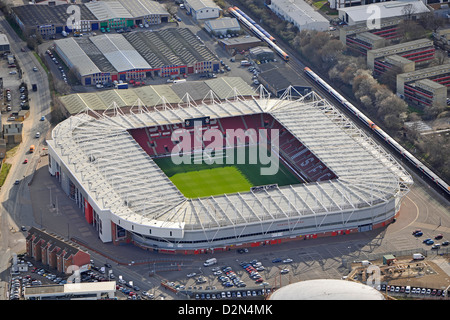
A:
(122, 171)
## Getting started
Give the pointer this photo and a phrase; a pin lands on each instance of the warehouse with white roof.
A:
(300, 14)
(136, 55)
(390, 9)
(202, 9)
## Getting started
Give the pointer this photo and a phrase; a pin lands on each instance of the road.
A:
(16, 209)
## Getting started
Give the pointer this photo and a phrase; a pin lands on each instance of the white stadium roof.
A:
(326, 289)
(118, 175)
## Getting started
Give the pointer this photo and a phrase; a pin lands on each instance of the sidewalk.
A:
(58, 214)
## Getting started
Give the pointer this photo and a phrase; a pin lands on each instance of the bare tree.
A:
(408, 11)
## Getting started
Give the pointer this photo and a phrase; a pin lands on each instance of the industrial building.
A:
(419, 52)
(135, 56)
(412, 86)
(261, 53)
(202, 9)
(390, 9)
(173, 51)
(223, 26)
(300, 14)
(4, 43)
(239, 44)
(51, 20)
(278, 78)
(118, 14)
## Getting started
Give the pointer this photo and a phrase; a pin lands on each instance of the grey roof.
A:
(173, 46)
(3, 39)
(106, 10)
(386, 10)
(223, 23)
(119, 52)
(202, 4)
(141, 8)
(300, 13)
(37, 15)
(71, 49)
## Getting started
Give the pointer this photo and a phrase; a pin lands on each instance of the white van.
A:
(210, 262)
(408, 289)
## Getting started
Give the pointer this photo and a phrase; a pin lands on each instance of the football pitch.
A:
(204, 180)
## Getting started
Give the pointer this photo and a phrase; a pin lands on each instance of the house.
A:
(223, 26)
(202, 9)
(53, 251)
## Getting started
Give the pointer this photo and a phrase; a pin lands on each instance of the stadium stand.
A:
(157, 141)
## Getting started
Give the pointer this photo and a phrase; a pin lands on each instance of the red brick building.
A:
(54, 251)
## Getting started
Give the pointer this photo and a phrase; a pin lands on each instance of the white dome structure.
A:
(326, 289)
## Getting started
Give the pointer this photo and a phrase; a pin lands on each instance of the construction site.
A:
(392, 275)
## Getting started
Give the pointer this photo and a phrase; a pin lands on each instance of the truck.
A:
(418, 256)
(210, 262)
(32, 148)
(179, 80)
(122, 86)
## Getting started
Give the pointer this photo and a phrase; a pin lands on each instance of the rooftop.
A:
(119, 52)
(201, 4)
(78, 57)
(387, 9)
(140, 8)
(107, 10)
(38, 15)
(301, 14)
(223, 23)
(402, 47)
(169, 47)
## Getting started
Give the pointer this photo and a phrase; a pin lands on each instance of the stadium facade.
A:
(351, 183)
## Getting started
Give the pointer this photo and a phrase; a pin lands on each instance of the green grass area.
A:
(4, 172)
(203, 180)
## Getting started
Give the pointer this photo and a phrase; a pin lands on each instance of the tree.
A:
(171, 8)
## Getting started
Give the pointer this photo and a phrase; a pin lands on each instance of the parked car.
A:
(438, 237)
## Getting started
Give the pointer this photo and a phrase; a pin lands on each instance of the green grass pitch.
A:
(204, 180)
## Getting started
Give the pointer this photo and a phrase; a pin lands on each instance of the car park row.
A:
(416, 291)
(430, 242)
(37, 276)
